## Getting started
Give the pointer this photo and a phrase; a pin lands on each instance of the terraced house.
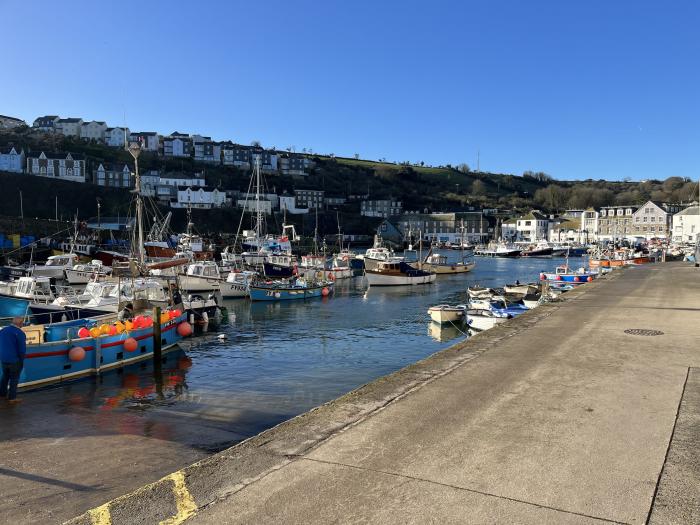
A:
(615, 222)
(654, 220)
(63, 166)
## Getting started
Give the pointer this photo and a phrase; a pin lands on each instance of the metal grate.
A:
(643, 331)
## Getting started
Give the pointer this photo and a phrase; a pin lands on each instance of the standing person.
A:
(13, 347)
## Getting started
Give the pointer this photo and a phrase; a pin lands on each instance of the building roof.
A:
(144, 133)
(114, 166)
(71, 120)
(691, 210)
(11, 118)
(8, 149)
(534, 215)
(196, 188)
(59, 156)
(181, 175)
(570, 224)
(94, 122)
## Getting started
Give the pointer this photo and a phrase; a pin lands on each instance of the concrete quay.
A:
(558, 416)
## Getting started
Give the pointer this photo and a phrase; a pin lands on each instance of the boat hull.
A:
(270, 293)
(483, 322)
(277, 270)
(446, 315)
(379, 279)
(196, 283)
(446, 269)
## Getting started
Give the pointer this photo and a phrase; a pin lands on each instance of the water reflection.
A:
(445, 332)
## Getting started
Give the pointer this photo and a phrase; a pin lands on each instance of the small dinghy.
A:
(480, 320)
(444, 313)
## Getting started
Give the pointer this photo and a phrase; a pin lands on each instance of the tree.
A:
(478, 187)
(357, 156)
(256, 144)
(553, 197)
(464, 168)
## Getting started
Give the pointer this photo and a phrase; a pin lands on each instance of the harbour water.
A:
(277, 360)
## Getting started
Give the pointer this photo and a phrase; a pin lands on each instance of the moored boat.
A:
(444, 313)
(389, 273)
(295, 289)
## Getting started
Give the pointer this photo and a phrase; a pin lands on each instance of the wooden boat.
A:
(237, 284)
(444, 313)
(280, 265)
(480, 320)
(438, 264)
(522, 289)
(397, 274)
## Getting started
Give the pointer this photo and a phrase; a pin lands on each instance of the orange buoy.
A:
(83, 332)
(112, 330)
(128, 326)
(119, 326)
(164, 317)
(130, 344)
(184, 329)
(590, 278)
(104, 329)
(324, 291)
(77, 353)
(95, 331)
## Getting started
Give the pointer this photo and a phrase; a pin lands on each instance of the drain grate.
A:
(643, 331)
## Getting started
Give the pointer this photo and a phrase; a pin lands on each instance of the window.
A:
(645, 219)
(653, 219)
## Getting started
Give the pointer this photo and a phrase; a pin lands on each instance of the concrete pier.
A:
(585, 411)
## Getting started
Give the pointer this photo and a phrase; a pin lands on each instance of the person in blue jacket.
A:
(13, 347)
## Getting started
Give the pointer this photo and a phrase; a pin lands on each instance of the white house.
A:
(69, 127)
(206, 150)
(10, 122)
(509, 230)
(533, 227)
(380, 208)
(569, 230)
(251, 206)
(150, 180)
(46, 123)
(93, 130)
(113, 175)
(114, 137)
(198, 197)
(12, 160)
(288, 203)
(56, 165)
(686, 225)
(589, 224)
(183, 179)
(177, 145)
(150, 140)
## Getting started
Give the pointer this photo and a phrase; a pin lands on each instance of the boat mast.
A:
(258, 212)
(135, 150)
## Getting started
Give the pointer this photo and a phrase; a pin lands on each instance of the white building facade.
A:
(93, 130)
(63, 167)
(114, 137)
(199, 197)
(12, 160)
(686, 225)
(69, 127)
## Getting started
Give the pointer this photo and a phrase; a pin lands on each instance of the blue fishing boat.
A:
(565, 277)
(61, 351)
(285, 291)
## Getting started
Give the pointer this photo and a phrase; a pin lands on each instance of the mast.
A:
(135, 150)
(258, 212)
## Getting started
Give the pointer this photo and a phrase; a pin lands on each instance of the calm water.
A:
(278, 360)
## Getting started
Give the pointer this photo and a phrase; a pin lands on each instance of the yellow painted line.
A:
(186, 507)
(100, 515)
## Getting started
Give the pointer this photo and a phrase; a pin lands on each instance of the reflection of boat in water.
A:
(443, 332)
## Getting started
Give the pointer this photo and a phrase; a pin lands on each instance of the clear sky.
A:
(578, 89)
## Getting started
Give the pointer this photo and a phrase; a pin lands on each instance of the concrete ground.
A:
(559, 416)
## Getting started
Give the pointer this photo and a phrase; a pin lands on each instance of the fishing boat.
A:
(444, 313)
(201, 276)
(565, 276)
(378, 254)
(499, 250)
(294, 289)
(480, 292)
(56, 266)
(437, 263)
(72, 349)
(84, 272)
(521, 289)
(280, 265)
(390, 273)
(237, 284)
(541, 249)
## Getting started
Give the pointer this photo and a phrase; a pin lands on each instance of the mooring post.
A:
(157, 347)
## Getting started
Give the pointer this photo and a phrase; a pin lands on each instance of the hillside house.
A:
(62, 166)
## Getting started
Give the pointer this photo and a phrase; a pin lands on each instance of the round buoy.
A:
(543, 277)
(558, 277)
(128, 325)
(130, 344)
(119, 326)
(184, 329)
(147, 322)
(589, 279)
(112, 330)
(165, 317)
(104, 329)
(83, 332)
(95, 331)
(325, 292)
(577, 279)
(77, 353)
(278, 295)
(138, 322)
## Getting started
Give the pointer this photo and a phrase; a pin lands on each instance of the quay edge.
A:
(226, 472)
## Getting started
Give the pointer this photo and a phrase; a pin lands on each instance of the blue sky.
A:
(595, 88)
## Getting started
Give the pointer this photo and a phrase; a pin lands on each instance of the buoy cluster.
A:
(130, 344)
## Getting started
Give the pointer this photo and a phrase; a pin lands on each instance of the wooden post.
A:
(157, 345)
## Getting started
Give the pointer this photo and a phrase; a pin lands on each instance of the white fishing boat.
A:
(390, 273)
(85, 272)
(237, 284)
(201, 276)
(378, 254)
(56, 266)
(522, 289)
(444, 313)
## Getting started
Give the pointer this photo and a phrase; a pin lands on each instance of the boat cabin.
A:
(34, 288)
(203, 269)
(66, 261)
